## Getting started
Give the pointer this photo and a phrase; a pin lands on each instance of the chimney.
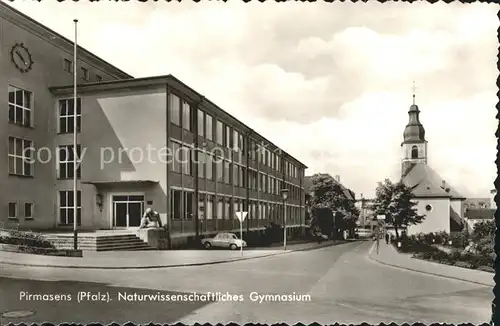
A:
(337, 177)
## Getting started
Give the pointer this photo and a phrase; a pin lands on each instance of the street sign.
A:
(381, 217)
(241, 216)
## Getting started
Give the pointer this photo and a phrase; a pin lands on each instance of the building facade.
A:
(148, 142)
(32, 58)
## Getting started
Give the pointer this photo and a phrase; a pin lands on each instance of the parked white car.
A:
(224, 240)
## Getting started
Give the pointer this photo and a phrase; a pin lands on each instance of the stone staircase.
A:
(99, 241)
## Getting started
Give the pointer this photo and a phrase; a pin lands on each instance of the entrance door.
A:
(120, 214)
(127, 211)
(134, 214)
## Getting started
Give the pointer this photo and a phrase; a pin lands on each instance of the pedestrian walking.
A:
(387, 237)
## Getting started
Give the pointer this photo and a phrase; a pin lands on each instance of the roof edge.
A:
(18, 18)
(169, 80)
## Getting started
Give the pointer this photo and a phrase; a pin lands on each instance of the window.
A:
(67, 115)
(428, 208)
(176, 157)
(28, 210)
(68, 65)
(67, 207)
(414, 152)
(236, 205)
(242, 177)
(210, 166)
(236, 140)
(227, 172)
(209, 131)
(186, 162)
(20, 157)
(186, 116)
(98, 78)
(220, 208)
(219, 133)
(12, 210)
(227, 209)
(201, 164)
(188, 205)
(175, 204)
(228, 136)
(175, 110)
(220, 169)
(253, 210)
(85, 73)
(201, 123)
(201, 206)
(66, 160)
(20, 106)
(210, 207)
(236, 177)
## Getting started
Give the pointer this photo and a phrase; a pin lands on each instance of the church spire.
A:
(414, 145)
(414, 131)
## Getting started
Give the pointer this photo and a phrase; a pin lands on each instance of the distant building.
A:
(477, 203)
(479, 209)
(441, 204)
(366, 213)
(475, 215)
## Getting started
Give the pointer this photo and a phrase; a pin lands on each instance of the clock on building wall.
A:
(21, 57)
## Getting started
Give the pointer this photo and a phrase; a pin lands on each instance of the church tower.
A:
(414, 145)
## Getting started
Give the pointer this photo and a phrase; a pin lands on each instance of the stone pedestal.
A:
(155, 237)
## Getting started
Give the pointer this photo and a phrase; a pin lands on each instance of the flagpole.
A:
(75, 163)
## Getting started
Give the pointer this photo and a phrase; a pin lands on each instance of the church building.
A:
(437, 200)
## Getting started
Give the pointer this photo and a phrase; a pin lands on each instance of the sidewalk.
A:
(388, 255)
(150, 258)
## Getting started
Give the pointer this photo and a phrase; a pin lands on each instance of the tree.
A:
(394, 200)
(327, 193)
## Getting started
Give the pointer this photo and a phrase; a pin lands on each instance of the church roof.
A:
(455, 217)
(425, 182)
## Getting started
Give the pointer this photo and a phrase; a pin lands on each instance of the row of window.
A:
(223, 207)
(224, 171)
(14, 213)
(21, 163)
(21, 110)
(65, 205)
(84, 72)
(181, 114)
(21, 160)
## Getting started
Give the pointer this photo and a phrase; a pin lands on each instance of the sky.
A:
(330, 83)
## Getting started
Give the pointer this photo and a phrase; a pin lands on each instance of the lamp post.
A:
(75, 156)
(284, 196)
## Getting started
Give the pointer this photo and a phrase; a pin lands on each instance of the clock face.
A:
(21, 57)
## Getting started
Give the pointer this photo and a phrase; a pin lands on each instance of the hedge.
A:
(28, 239)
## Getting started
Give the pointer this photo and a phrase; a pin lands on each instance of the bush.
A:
(20, 238)
(486, 269)
(463, 264)
(483, 229)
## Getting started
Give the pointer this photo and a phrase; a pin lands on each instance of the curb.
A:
(423, 272)
(170, 266)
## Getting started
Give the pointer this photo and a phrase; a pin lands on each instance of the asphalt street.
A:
(332, 284)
